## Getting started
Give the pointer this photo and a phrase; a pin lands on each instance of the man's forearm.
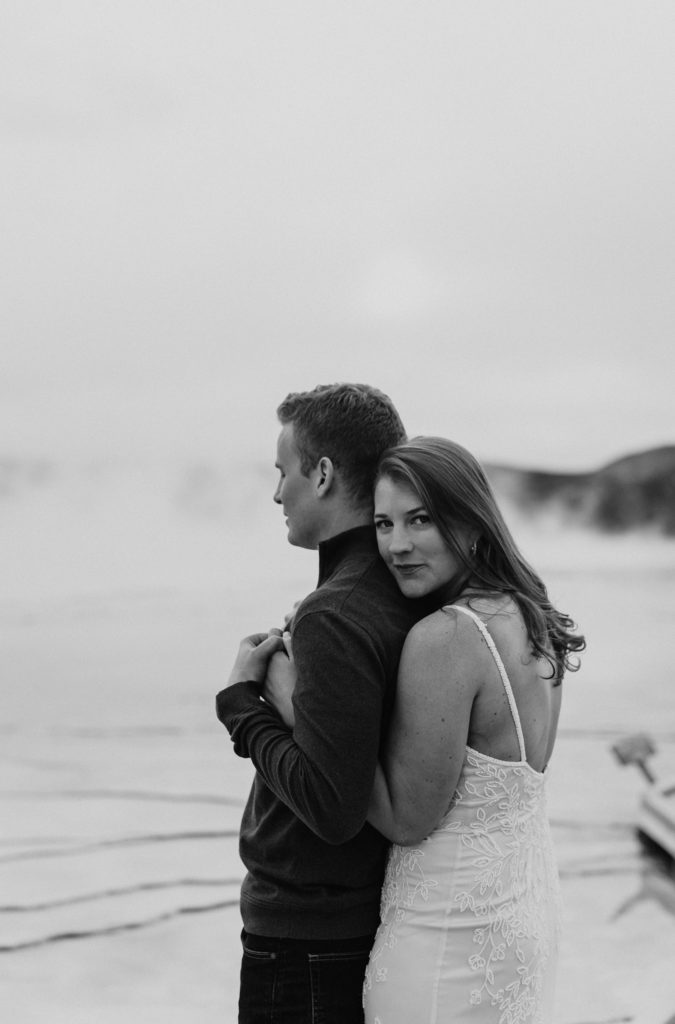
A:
(257, 732)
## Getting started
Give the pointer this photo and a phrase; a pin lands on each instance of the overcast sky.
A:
(205, 205)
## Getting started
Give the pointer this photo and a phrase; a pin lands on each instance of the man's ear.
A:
(325, 476)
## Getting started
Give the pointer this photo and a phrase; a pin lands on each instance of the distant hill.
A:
(635, 492)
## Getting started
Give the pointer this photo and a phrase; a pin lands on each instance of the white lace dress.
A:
(470, 918)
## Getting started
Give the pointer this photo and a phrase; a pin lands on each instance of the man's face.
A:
(296, 493)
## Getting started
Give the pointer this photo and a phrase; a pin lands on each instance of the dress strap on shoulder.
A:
(502, 671)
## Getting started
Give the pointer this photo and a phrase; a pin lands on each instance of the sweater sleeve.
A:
(324, 770)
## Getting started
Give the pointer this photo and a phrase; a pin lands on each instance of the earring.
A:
(473, 549)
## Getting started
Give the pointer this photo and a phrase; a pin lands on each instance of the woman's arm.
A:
(437, 683)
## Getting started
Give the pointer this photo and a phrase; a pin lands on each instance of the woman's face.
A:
(411, 544)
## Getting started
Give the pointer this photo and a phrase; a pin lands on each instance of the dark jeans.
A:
(287, 981)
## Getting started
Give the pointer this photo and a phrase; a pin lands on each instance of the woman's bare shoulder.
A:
(499, 612)
(503, 618)
(444, 629)
(489, 603)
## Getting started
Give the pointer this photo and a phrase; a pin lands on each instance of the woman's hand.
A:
(280, 682)
(255, 652)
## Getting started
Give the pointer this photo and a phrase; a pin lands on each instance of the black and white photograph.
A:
(337, 512)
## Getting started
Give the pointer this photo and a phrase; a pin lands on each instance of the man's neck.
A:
(344, 520)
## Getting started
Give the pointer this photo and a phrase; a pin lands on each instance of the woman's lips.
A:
(407, 570)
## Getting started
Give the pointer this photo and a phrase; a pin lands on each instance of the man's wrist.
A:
(236, 697)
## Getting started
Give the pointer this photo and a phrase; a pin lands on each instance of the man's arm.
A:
(323, 771)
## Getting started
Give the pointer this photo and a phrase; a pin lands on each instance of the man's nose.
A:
(276, 497)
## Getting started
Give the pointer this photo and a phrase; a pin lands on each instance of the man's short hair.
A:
(351, 424)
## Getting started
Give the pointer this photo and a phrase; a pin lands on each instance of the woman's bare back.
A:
(492, 729)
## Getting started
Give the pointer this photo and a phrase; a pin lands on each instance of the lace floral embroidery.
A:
(404, 883)
(508, 837)
(487, 873)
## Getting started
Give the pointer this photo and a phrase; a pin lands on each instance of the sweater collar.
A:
(360, 539)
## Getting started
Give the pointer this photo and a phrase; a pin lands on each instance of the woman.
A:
(470, 903)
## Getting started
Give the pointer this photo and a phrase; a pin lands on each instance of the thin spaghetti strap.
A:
(502, 672)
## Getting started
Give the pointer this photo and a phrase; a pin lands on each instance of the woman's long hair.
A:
(454, 490)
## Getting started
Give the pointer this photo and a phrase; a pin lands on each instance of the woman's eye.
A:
(382, 524)
(420, 520)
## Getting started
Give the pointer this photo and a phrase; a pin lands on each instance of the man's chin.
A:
(300, 542)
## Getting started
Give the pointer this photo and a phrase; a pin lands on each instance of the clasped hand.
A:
(267, 658)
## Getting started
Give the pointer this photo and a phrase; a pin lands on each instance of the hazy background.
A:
(208, 204)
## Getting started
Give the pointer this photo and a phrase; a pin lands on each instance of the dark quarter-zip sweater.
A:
(314, 866)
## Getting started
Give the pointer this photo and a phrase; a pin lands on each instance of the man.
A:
(310, 898)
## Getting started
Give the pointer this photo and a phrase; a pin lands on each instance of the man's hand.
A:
(280, 683)
(254, 654)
